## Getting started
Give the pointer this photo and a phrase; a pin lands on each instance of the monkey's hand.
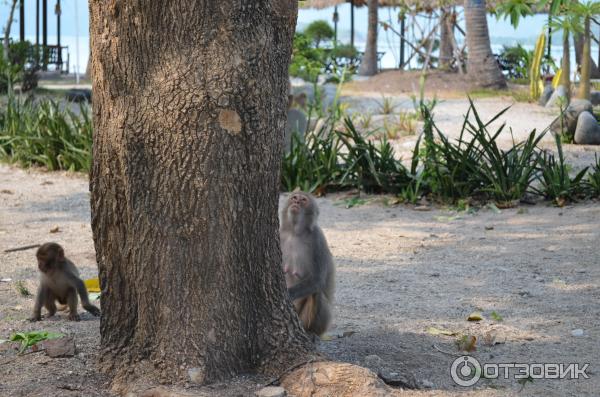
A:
(74, 317)
(92, 309)
(33, 319)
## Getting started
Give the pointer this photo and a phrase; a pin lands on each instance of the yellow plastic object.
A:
(556, 78)
(536, 86)
(92, 284)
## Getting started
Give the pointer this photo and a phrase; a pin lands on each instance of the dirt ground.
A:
(400, 272)
(405, 278)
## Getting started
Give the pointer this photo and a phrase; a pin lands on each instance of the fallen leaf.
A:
(438, 331)
(475, 316)
(55, 229)
(6, 191)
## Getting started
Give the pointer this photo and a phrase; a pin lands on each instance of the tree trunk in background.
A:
(446, 33)
(565, 66)
(482, 68)
(586, 59)
(594, 70)
(189, 113)
(6, 38)
(368, 65)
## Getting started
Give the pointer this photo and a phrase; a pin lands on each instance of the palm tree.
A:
(481, 64)
(368, 65)
(586, 11)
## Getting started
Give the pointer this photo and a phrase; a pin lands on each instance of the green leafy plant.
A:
(29, 339)
(555, 182)
(593, 179)
(44, 133)
(319, 31)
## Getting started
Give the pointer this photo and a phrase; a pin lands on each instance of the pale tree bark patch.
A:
(230, 121)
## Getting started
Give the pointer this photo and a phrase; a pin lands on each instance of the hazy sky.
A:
(500, 31)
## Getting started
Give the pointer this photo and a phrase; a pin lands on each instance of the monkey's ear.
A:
(296, 190)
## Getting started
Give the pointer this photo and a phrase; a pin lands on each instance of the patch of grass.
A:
(555, 182)
(386, 106)
(593, 179)
(45, 134)
(21, 288)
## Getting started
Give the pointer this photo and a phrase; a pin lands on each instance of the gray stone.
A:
(558, 96)
(296, 124)
(61, 347)
(595, 98)
(588, 129)
(546, 94)
(79, 95)
(568, 122)
(577, 332)
(271, 391)
(397, 379)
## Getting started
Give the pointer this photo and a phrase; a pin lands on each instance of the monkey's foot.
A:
(74, 317)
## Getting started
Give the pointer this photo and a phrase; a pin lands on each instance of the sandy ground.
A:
(399, 272)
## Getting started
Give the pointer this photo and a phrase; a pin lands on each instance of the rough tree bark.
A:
(594, 70)
(482, 68)
(368, 65)
(565, 65)
(446, 37)
(189, 112)
(6, 38)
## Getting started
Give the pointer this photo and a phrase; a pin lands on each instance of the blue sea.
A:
(75, 28)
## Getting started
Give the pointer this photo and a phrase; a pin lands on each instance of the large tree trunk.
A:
(7, 26)
(594, 70)
(482, 68)
(586, 60)
(565, 74)
(446, 37)
(189, 113)
(368, 65)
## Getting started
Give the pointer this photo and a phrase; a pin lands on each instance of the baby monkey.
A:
(307, 262)
(59, 281)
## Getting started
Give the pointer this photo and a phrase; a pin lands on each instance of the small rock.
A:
(595, 98)
(296, 124)
(568, 122)
(546, 94)
(397, 380)
(61, 347)
(555, 97)
(7, 191)
(373, 361)
(428, 384)
(271, 391)
(55, 229)
(577, 332)
(489, 228)
(79, 95)
(196, 375)
(422, 208)
(588, 129)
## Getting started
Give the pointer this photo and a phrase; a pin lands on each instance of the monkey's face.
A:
(298, 203)
(48, 255)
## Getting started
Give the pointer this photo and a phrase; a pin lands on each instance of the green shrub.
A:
(555, 182)
(45, 134)
(319, 31)
(307, 62)
(593, 179)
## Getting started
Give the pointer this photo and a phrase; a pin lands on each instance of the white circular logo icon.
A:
(465, 371)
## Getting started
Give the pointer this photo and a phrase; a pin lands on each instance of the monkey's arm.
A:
(305, 287)
(82, 291)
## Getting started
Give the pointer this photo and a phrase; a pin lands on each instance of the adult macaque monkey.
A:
(307, 262)
(59, 281)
